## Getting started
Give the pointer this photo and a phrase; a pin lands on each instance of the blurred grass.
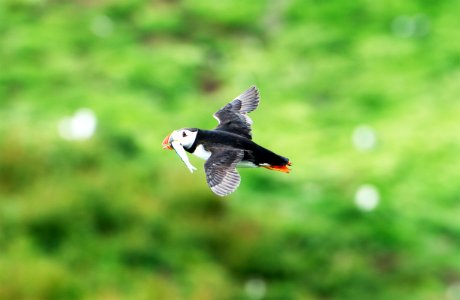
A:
(115, 217)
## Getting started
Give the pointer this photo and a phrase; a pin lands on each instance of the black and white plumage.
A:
(228, 146)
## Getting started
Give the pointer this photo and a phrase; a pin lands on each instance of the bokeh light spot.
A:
(102, 26)
(81, 126)
(453, 291)
(255, 288)
(364, 138)
(367, 197)
(410, 26)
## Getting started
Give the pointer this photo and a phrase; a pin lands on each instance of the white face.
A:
(184, 136)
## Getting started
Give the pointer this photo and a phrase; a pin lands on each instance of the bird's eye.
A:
(184, 134)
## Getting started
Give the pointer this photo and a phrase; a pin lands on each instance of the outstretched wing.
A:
(221, 173)
(233, 116)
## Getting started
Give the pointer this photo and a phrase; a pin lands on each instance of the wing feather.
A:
(233, 116)
(221, 173)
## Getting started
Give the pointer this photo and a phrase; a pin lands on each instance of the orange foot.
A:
(283, 169)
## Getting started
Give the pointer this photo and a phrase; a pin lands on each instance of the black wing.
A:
(233, 116)
(221, 173)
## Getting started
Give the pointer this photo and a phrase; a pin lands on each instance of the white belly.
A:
(201, 152)
(204, 154)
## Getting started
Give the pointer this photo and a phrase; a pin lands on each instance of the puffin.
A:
(228, 146)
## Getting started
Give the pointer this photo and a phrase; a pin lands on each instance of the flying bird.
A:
(228, 146)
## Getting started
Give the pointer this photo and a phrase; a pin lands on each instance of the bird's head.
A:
(185, 136)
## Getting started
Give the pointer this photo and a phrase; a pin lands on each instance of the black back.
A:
(216, 139)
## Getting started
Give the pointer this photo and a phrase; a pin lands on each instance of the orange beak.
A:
(166, 144)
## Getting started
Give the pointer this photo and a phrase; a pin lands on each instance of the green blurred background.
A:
(362, 96)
